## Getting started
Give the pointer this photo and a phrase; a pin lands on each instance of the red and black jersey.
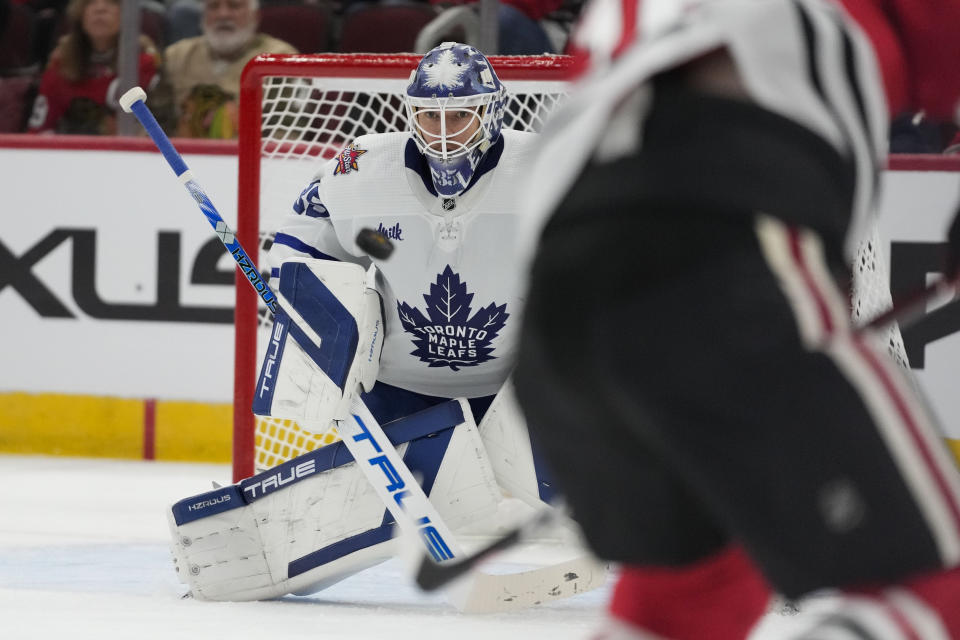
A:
(837, 69)
(56, 93)
(917, 45)
(916, 42)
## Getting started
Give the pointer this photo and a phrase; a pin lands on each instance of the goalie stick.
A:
(375, 456)
(362, 435)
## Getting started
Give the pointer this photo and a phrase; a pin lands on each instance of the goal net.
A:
(296, 112)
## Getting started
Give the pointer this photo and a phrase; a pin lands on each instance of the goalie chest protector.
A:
(451, 288)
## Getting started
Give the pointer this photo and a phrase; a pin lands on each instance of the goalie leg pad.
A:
(314, 520)
(516, 465)
(325, 343)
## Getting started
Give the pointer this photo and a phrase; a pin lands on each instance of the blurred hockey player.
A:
(687, 317)
(437, 321)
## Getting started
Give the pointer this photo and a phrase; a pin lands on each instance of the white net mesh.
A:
(306, 120)
(870, 295)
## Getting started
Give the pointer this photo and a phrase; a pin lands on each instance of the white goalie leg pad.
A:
(325, 343)
(304, 525)
(504, 433)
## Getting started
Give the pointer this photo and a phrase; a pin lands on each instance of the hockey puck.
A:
(374, 243)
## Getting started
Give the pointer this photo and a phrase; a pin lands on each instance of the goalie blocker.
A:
(326, 348)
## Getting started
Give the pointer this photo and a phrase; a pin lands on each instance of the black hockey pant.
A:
(693, 379)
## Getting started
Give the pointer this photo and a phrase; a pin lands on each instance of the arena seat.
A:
(305, 26)
(390, 28)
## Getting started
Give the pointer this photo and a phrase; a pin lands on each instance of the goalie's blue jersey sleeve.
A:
(451, 288)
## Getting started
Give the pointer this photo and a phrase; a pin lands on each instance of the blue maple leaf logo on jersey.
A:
(450, 336)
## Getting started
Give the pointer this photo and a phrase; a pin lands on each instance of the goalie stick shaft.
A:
(381, 465)
(227, 236)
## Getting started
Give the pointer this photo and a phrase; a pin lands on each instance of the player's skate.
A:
(924, 608)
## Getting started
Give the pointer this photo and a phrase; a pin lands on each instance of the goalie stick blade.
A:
(501, 593)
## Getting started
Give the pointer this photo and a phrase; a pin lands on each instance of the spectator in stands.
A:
(216, 59)
(183, 20)
(519, 28)
(520, 31)
(953, 147)
(917, 133)
(78, 87)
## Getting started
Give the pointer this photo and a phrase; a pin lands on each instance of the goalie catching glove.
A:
(325, 343)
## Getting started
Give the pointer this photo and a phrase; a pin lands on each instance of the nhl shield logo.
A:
(347, 160)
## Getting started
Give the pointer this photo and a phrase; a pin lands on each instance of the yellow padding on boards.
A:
(955, 447)
(194, 431)
(69, 425)
(90, 426)
(59, 424)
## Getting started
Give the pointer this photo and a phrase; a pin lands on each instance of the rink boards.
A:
(120, 301)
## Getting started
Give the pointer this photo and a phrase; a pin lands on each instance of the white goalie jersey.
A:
(451, 288)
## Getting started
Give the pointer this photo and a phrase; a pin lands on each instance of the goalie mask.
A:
(455, 108)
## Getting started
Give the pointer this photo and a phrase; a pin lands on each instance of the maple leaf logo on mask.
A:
(446, 72)
(448, 336)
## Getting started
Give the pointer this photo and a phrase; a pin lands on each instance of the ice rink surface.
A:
(83, 556)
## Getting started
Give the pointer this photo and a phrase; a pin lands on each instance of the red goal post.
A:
(296, 111)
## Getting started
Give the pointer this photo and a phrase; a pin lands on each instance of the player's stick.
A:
(559, 581)
(431, 576)
(912, 305)
(362, 435)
